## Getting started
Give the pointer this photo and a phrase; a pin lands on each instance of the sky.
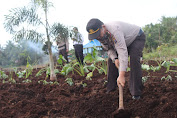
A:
(79, 12)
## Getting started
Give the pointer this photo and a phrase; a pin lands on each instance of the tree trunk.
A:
(52, 74)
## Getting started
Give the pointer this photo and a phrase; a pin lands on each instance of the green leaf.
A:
(97, 59)
(88, 57)
(69, 81)
(56, 71)
(145, 67)
(69, 69)
(166, 64)
(89, 75)
(174, 60)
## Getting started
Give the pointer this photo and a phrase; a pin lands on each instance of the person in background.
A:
(63, 47)
(78, 45)
(120, 39)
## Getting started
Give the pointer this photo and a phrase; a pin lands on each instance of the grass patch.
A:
(163, 53)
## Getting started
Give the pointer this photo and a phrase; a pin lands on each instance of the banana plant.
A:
(61, 60)
(167, 65)
(98, 63)
(66, 69)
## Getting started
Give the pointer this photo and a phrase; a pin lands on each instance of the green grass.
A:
(164, 53)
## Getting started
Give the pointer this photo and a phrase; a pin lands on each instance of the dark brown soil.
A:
(34, 100)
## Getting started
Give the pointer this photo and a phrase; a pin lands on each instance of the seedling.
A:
(155, 68)
(84, 84)
(144, 79)
(3, 75)
(167, 65)
(69, 81)
(168, 78)
(26, 81)
(44, 82)
(21, 74)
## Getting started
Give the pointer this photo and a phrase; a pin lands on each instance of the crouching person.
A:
(120, 39)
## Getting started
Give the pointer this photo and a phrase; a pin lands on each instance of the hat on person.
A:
(93, 28)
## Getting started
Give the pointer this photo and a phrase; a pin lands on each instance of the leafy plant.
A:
(27, 81)
(40, 72)
(167, 65)
(175, 61)
(168, 78)
(15, 70)
(144, 79)
(21, 74)
(155, 68)
(84, 84)
(44, 82)
(11, 80)
(61, 59)
(3, 75)
(80, 69)
(145, 67)
(66, 69)
(98, 63)
(29, 68)
(69, 81)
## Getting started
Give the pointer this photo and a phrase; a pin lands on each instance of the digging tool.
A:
(121, 106)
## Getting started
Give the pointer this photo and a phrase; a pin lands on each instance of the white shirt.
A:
(79, 39)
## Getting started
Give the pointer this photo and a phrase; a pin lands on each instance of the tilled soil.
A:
(34, 100)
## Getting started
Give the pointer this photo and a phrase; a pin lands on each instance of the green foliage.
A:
(44, 82)
(98, 63)
(155, 68)
(145, 67)
(163, 52)
(89, 75)
(16, 54)
(84, 84)
(15, 20)
(163, 32)
(167, 65)
(168, 78)
(144, 79)
(174, 60)
(29, 68)
(66, 69)
(61, 60)
(3, 75)
(11, 81)
(69, 81)
(21, 74)
(40, 72)
(80, 69)
(27, 81)
(61, 31)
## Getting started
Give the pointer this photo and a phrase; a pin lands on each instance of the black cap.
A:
(93, 28)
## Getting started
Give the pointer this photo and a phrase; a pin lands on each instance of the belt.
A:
(62, 46)
(77, 44)
(140, 32)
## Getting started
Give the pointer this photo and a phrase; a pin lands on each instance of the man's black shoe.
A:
(136, 97)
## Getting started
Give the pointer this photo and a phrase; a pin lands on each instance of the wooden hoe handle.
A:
(121, 105)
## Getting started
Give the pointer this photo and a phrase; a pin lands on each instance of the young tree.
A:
(16, 19)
